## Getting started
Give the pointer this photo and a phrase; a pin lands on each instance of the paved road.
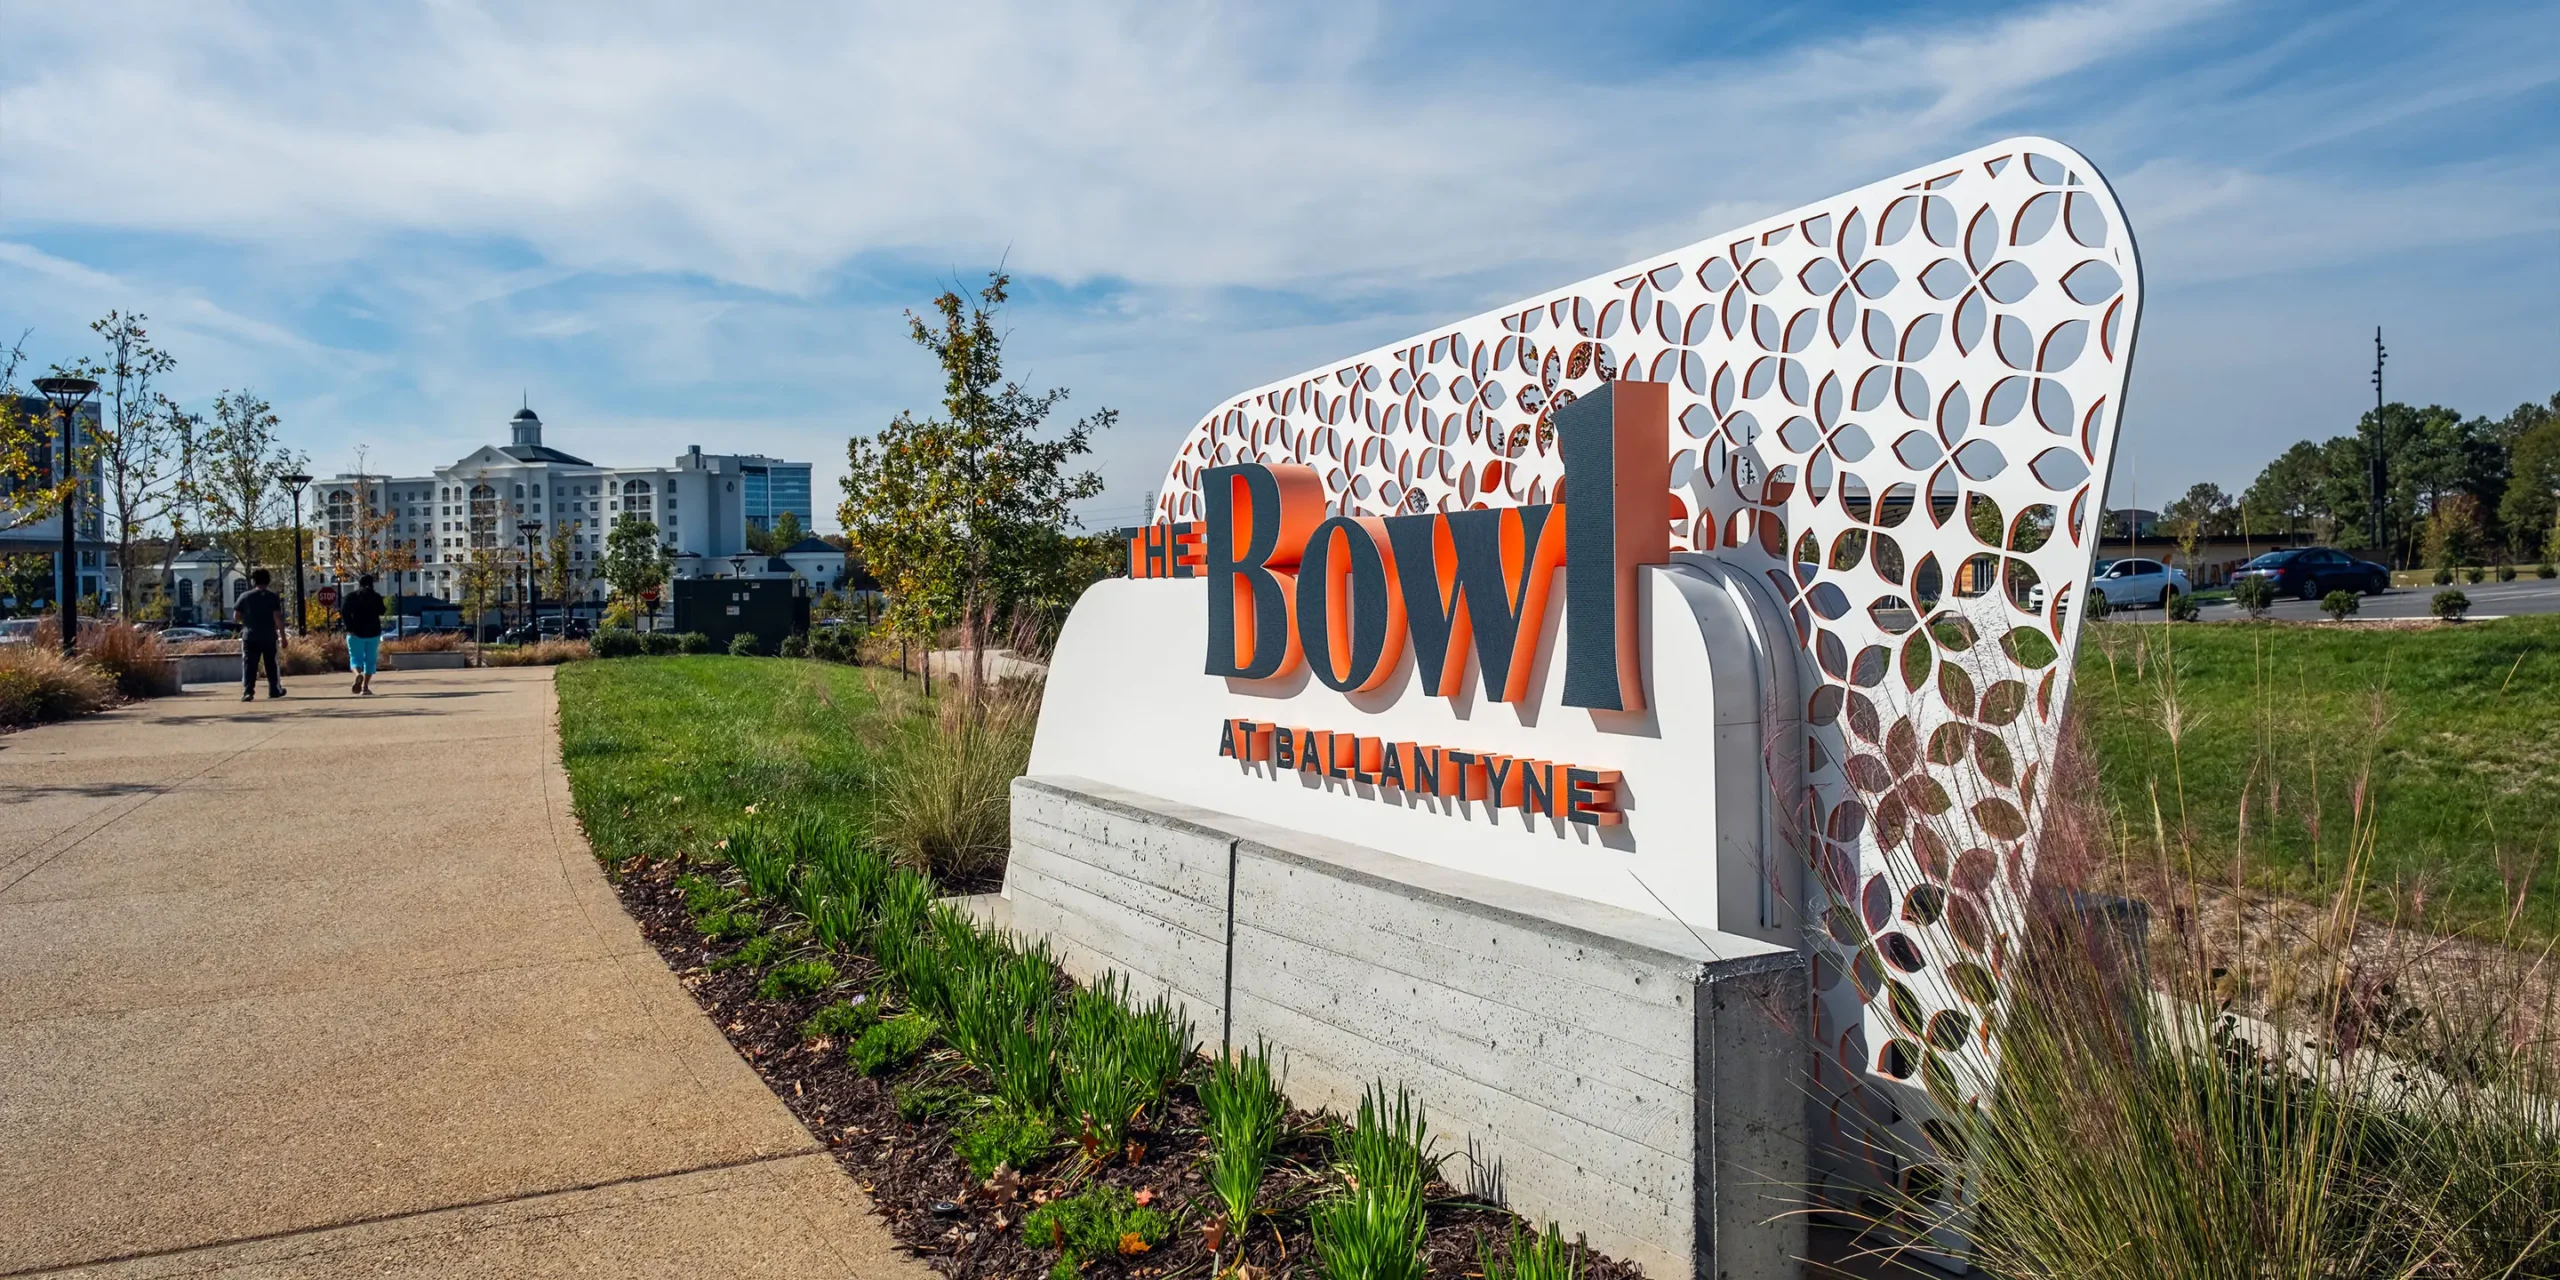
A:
(2488, 600)
(332, 987)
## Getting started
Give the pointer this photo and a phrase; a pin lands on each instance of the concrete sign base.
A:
(1610, 1070)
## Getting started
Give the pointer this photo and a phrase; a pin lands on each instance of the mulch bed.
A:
(968, 1230)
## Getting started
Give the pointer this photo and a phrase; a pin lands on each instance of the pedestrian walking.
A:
(363, 610)
(261, 617)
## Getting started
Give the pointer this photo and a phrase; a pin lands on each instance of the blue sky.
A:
(673, 223)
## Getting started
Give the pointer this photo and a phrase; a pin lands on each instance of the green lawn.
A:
(2452, 735)
(661, 751)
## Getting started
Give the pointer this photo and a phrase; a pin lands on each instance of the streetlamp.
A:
(68, 396)
(295, 482)
(531, 529)
(737, 566)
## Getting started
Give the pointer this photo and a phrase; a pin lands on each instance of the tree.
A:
(238, 460)
(486, 571)
(2291, 495)
(138, 438)
(2453, 532)
(786, 532)
(963, 516)
(635, 563)
(2531, 504)
(32, 486)
(558, 568)
(2205, 512)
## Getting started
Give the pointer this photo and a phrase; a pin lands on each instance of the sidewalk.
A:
(331, 986)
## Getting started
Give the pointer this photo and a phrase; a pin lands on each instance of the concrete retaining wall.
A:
(1607, 1070)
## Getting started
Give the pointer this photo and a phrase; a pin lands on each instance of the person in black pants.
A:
(261, 617)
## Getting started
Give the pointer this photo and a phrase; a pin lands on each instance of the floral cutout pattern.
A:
(1897, 407)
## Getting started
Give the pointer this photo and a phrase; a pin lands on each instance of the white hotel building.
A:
(703, 505)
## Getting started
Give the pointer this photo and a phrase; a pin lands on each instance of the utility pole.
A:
(2377, 477)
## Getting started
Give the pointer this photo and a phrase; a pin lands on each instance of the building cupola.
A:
(528, 427)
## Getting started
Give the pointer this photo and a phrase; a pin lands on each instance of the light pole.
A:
(301, 619)
(531, 529)
(737, 566)
(68, 396)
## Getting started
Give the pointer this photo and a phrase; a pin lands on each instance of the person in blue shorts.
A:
(362, 610)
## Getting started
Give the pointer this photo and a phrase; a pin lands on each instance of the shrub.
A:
(2506, 573)
(891, 1042)
(2473, 574)
(1241, 1110)
(2546, 570)
(616, 642)
(424, 642)
(132, 657)
(2181, 607)
(795, 645)
(658, 644)
(836, 644)
(2444, 576)
(308, 655)
(841, 1021)
(2254, 593)
(2340, 605)
(945, 801)
(1096, 1222)
(1001, 1136)
(38, 684)
(2450, 604)
(797, 980)
(541, 653)
(692, 642)
(1534, 1257)
(761, 859)
(745, 645)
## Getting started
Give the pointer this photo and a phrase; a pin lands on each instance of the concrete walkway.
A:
(331, 987)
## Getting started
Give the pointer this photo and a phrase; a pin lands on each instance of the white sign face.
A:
(1889, 415)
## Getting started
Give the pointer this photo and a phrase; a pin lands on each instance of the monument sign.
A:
(1577, 710)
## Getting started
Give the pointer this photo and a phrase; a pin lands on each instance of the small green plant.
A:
(1532, 1257)
(2450, 604)
(756, 953)
(797, 980)
(745, 644)
(917, 1103)
(2473, 574)
(2182, 607)
(657, 644)
(1387, 1144)
(1242, 1109)
(1369, 1233)
(2444, 576)
(728, 926)
(761, 860)
(2255, 593)
(1000, 1136)
(704, 895)
(2340, 605)
(795, 645)
(841, 1022)
(1097, 1222)
(1099, 1091)
(1026, 1062)
(891, 1042)
(693, 642)
(759, 951)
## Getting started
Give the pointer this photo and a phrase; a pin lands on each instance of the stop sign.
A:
(327, 596)
(650, 595)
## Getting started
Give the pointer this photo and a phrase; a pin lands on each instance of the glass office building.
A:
(768, 487)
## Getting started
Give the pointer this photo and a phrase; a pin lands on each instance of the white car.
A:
(2132, 582)
(181, 635)
(17, 630)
